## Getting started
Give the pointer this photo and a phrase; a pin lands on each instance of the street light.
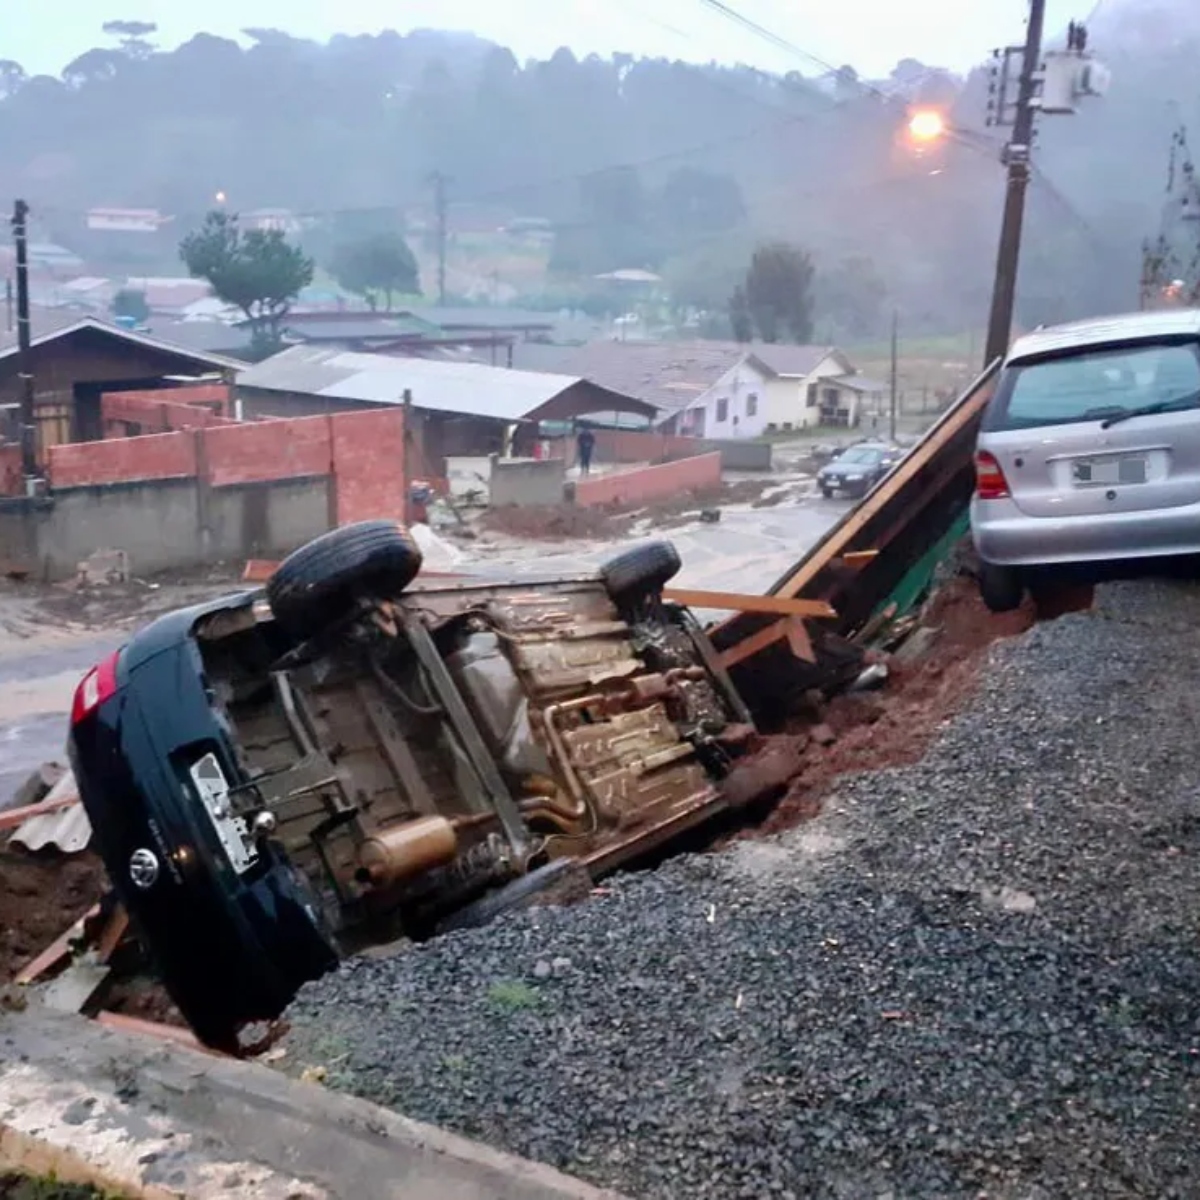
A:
(926, 125)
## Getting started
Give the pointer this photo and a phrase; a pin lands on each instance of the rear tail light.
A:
(990, 483)
(97, 686)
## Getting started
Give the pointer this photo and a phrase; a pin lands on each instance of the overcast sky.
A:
(870, 34)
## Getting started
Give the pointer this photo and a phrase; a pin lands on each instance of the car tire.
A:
(827, 493)
(518, 894)
(640, 572)
(1001, 587)
(321, 582)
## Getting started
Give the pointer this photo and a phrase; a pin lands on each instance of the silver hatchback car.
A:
(1089, 450)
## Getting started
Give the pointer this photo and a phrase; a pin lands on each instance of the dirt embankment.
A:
(895, 725)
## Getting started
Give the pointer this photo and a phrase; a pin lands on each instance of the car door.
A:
(1063, 432)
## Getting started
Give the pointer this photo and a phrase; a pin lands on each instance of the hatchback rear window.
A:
(1095, 385)
(860, 454)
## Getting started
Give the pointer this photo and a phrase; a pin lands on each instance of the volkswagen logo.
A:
(143, 869)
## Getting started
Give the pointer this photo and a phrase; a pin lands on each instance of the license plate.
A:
(213, 790)
(1103, 472)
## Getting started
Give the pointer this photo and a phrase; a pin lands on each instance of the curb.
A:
(152, 1120)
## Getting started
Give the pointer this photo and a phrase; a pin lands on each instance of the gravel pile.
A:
(977, 976)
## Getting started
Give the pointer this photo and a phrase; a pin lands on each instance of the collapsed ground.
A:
(975, 975)
(41, 895)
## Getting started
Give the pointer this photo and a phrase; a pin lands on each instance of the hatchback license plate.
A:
(1106, 471)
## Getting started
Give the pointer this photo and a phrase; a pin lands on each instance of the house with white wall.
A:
(721, 389)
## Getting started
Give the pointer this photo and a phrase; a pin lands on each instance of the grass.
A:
(511, 995)
(45, 1187)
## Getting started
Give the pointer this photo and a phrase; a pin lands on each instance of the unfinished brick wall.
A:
(123, 460)
(162, 410)
(698, 473)
(368, 465)
(258, 451)
(362, 452)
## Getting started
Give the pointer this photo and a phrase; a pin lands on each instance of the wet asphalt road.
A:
(36, 687)
(746, 551)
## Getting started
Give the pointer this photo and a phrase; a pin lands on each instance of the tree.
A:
(380, 263)
(698, 201)
(131, 303)
(92, 67)
(739, 315)
(778, 292)
(133, 36)
(257, 271)
(850, 297)
(12, 78)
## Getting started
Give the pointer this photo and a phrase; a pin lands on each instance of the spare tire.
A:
(642, 571)
(322, 581)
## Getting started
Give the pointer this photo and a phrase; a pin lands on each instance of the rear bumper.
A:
(1006, 536)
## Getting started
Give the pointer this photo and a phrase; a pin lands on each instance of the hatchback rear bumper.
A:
(1006, 536)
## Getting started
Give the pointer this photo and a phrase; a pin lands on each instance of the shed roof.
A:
(50, 327)
(464, 388)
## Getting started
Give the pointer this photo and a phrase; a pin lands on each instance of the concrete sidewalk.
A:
(144, 1118)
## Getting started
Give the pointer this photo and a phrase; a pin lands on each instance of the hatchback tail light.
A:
(990, 483)
(97, 686)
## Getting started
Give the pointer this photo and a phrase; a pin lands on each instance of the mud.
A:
(894, 726)
(41, 896)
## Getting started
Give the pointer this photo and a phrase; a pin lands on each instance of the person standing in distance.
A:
(585, 443)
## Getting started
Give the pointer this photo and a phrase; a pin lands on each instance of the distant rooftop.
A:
(465, 388)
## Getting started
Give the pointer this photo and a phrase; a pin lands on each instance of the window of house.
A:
(812, 395)
(752, 405)
(771, 427)
(722, 409)
(832, 396)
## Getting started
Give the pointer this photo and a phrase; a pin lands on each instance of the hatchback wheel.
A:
(1002, 588)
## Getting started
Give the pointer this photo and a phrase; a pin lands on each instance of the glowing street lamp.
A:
(926, 125)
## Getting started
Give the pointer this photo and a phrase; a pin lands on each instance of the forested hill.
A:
(637, 162)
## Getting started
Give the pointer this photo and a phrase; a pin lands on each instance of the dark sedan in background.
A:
(857, 469)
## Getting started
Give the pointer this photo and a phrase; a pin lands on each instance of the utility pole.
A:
(440, 207)
(1016, 159)
(29, 465)
(895, 369)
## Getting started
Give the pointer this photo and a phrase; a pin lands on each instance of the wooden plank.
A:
(57, 952)
(785, 606)
(799, 640)
(15, 817)
(859, 558)
(756, 642)
(112, 934)
(155, 1029)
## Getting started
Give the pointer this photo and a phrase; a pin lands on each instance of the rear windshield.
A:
(859, 454)
(1096, 385)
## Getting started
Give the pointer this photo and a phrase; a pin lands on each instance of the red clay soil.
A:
(894, 726)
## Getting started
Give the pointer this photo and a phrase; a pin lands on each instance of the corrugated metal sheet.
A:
(464, 388)
(1178, 322)
(67, 829)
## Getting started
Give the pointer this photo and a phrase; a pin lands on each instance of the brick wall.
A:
(368, 464)
(257, 451)
(161, 410)
(12, 479)
(362, 452)
(123, 460)
(698, 473)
